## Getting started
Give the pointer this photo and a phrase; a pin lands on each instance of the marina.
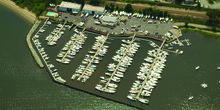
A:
(98, 75)
(89, 73)
(20, 72)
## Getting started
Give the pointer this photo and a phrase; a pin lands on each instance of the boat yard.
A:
(103, 64)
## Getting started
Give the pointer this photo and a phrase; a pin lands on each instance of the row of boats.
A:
(71, 48)
(116, 72)
(89, 64)
(55, 34)
(147, 77)
(45, 57)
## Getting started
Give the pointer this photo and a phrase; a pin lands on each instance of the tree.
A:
(144, 11)
(199, 5)
(128, 8)
(214, 29)
(107, 7)
(117, 8)
(140, 11)
(112, 7)
(186, 24)
(160, 14)
(165, 14)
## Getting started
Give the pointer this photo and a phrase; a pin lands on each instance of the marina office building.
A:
(71, 7)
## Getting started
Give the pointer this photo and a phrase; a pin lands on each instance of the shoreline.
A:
(21, 12)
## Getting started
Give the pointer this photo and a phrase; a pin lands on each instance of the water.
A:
(24, 86)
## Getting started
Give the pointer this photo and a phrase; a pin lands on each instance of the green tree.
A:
(128, 8)
(117, 7)
(214, 29)
(165, 14)
(144, 11)
(140, 11)
(160, 14)
(107, 7)
(199, 5)
(112, 7)
(186, 24)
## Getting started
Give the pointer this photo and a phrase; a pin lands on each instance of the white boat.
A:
(218, 68)
(109, 91)
(143, 100)
(204, 85)
(197, 67)
(190, 98)
(131, 97)
(73, 77)
(61, 80)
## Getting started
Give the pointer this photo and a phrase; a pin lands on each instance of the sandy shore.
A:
(24, 13)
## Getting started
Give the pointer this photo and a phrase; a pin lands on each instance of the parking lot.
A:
(132, 24)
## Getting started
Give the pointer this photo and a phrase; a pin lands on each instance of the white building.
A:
(68, 6)
(94, 10)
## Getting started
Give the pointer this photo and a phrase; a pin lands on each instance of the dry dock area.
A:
(62, 72)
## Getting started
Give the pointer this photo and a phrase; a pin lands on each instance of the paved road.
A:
(174, 11)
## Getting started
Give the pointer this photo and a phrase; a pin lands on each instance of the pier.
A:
(133, 39)
(80, 37)
(57, 32)
(152, 65)
(28, 40)
(97, 52)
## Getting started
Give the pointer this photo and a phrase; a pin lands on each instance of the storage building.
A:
(94, 10)
(68, 6)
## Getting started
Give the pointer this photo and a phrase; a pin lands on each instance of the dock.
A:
(133, 39)
(57, 32)
(97, 52)
(80, 37)
(144, 82)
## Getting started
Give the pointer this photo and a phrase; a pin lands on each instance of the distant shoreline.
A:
(23, 12)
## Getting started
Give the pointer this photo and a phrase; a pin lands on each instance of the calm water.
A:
(24, 86)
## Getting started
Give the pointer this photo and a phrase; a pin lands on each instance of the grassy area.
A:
(201, 32)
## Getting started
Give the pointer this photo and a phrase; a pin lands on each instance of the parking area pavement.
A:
(141, 25)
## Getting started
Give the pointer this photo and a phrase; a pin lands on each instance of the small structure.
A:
(94, 10)
(68, 6)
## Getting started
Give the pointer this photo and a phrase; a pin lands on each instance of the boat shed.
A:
(68, 6)
(94, 10)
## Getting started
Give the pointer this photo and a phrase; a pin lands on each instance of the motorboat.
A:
(143, 100)
(204, 85)
(197, 67)
(132, 96)
(190, 98)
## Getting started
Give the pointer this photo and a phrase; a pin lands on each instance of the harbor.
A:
(62, 48)
(180, 81)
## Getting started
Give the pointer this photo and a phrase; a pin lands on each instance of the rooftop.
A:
(109, 19)
(70, 5)
(93, 8)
